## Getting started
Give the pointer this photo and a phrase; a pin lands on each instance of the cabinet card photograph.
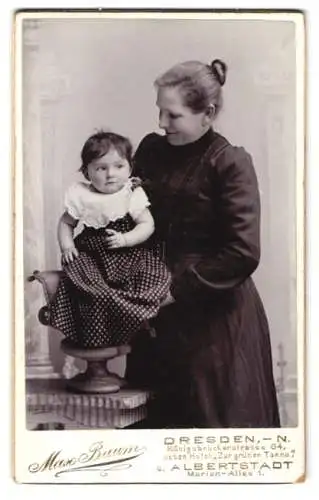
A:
(159, 237)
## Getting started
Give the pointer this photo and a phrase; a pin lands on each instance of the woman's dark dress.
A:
(210, 363)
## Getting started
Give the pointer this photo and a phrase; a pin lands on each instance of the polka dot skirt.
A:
(106, 295)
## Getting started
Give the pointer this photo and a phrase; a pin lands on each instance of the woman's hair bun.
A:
(219, 70)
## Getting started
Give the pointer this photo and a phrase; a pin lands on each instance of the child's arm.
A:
(66, 227)
(143, 230)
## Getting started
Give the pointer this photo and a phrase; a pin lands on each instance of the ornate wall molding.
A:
(38, 362)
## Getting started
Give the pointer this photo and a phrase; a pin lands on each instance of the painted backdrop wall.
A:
(99, 74)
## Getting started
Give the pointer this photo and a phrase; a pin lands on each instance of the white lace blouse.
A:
(96, 210)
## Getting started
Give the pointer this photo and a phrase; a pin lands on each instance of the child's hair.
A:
(100, 143)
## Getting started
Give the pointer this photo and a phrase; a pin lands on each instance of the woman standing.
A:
(209, 363)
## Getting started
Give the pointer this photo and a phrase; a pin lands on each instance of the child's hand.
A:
(115, 239)
(69, 254)
(169, 299)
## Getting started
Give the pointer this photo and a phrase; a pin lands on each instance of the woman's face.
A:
(109, 173)
(180, 123)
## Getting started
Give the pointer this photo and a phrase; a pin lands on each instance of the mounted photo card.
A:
(159, 235)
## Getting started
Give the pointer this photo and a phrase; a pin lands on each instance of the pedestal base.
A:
(82, 382)
(97, 378)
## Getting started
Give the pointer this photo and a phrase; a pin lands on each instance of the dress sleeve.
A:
(72, 201)
(138, 202)
(239, 211)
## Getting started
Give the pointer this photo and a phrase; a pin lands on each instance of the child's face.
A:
(109, 173)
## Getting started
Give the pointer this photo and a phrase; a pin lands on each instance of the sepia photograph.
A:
(159, 246)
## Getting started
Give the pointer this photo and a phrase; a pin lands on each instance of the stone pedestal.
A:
(97, 378)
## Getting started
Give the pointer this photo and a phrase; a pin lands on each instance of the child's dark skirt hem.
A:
(105, 296)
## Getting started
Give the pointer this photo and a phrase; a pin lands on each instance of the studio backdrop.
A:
(81, 75)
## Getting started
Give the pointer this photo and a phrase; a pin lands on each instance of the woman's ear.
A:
(211, 111)
(209, 114)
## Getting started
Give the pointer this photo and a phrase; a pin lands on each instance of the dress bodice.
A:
(179, 181)
(205, 201)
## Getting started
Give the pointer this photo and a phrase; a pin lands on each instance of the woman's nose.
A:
(162, 121)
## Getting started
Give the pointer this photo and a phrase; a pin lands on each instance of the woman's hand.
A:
(69, 254)
(169, 299)
(115, 239)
